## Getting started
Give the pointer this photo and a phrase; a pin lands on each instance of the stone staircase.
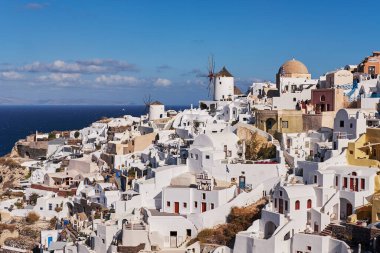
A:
(327, 231)
(135, 226)
(131, 249)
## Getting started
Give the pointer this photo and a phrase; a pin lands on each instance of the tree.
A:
(32, 217)
(33, 198)
(252, 146)
(52, 136)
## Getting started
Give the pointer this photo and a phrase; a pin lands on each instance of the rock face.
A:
(11, 172)
(32, 150)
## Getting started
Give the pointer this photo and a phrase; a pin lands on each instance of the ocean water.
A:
(16, 122)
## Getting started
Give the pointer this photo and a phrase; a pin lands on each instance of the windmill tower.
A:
(223, 85)
(155, 110)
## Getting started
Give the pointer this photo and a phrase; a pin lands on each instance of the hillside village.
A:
(291, 166)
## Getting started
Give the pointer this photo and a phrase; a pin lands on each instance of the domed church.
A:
(292, 69)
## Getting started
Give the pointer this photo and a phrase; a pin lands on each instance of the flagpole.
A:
(226, 181)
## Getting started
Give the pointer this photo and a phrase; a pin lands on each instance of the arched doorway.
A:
(270, 227)
(269, 123)
(346, 208)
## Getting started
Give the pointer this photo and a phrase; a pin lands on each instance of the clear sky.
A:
(118, 51)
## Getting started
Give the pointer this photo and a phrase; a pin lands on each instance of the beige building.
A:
(139, 143)
(339, 77)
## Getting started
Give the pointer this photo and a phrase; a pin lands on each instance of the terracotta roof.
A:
(224, 72)
(156, 103)
(293, 67)
(237, 91)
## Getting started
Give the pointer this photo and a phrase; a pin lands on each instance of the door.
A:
(316, 227)
(176, 207)
(281, 206)
(204, 207)
(356, 184)
(173, 239)
(242, 182)
(348, 209)
(351, 183)
(50, 239)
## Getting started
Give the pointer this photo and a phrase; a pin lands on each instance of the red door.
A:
(204, 207)
(351, 183)
(176, 207)
(280, 205)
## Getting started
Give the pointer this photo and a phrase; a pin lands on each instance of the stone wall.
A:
(354, 234)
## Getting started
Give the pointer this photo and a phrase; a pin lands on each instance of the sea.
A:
(16, 122)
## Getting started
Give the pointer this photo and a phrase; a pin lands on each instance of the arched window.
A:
(323, 98)
(297, 205)
(309, 203)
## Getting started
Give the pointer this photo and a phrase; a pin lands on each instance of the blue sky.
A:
(118, 51)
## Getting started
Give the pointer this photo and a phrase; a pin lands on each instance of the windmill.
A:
(211, 74)
(147, 101)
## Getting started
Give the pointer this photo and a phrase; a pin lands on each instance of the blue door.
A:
(50, 239)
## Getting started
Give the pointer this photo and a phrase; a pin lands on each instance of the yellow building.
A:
(365, 151)
(279, 121)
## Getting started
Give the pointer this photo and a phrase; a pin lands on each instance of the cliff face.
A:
(11, 172)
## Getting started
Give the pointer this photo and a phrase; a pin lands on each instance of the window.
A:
(184, 205)
(168, 203)
(285, 124)
(336, 181)
(212, 205)
(191, 155)
(323, 98)
(362, 183)
(341, 123)
(280, 193)
(207, 157)
(294, 99)
(371, 70)
(196, 156)
(308, 247)
(297, 205)
(195, 204)
(275, 203)
(286, 205)
(203, 195)
(309, 203)
(351, 125)
(315, 179)
(50, 206)
(345, 182)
